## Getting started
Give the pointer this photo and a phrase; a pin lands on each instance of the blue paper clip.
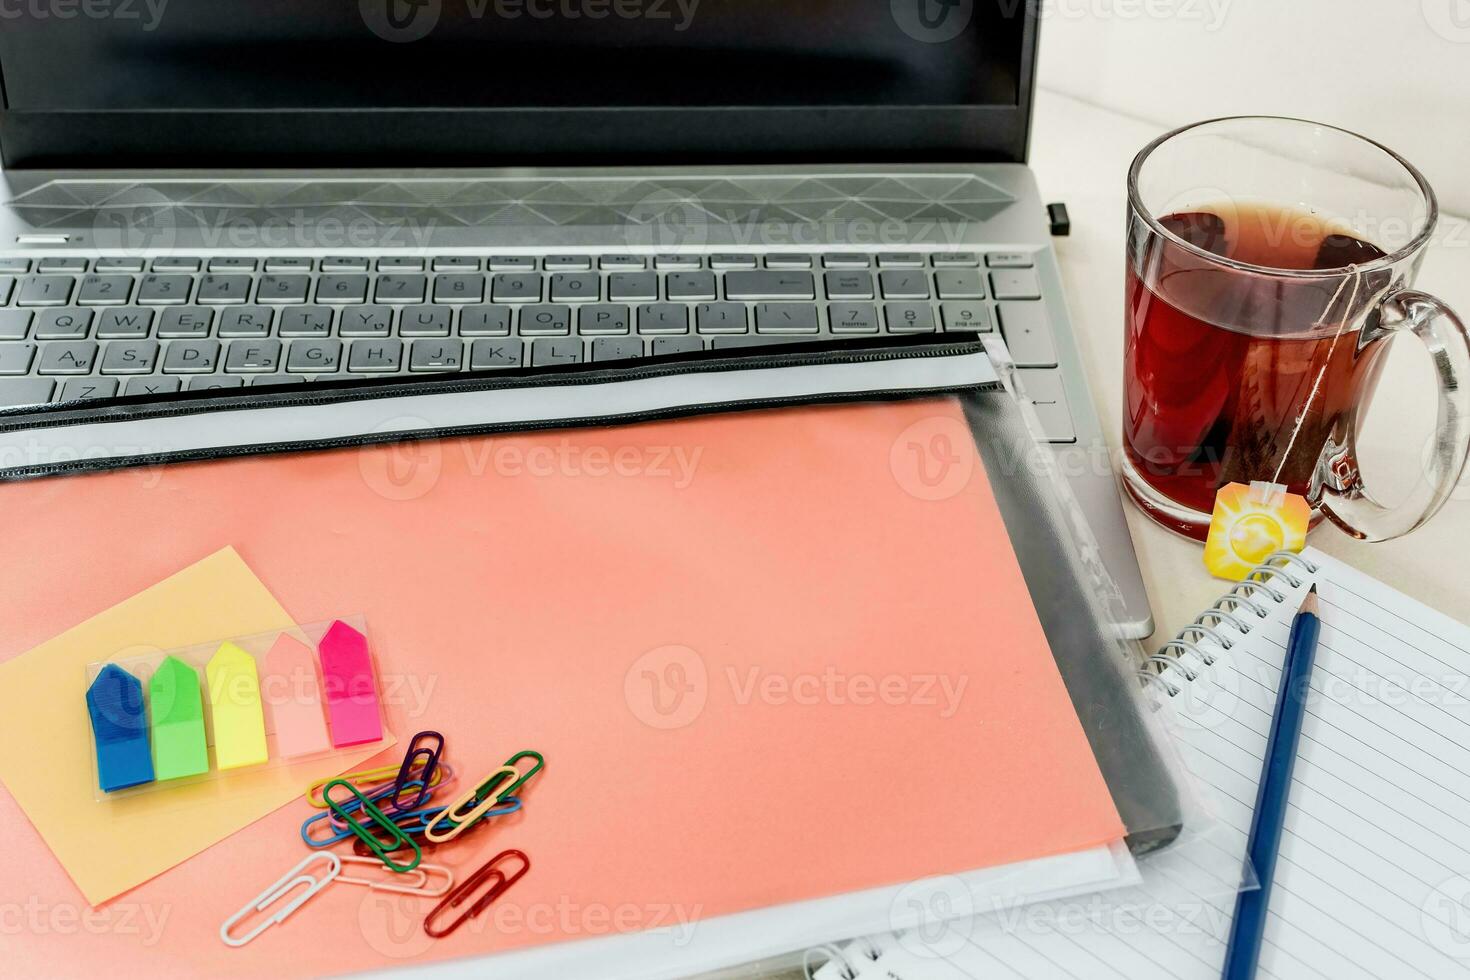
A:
(414, 824)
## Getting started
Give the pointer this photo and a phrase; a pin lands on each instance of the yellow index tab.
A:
(234, 699)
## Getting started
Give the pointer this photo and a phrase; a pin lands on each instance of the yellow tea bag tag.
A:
(1250, 524)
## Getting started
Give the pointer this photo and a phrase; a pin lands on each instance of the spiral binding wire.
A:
(1251, 594)
(864, 948)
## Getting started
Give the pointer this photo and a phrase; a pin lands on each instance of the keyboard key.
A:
(157, 290)
(616, 348)
(516, 287)
(130, 357)
(374, 356)
(849, 285)
(909, 317)
(786, 318)
(275, 380)
(342, 289)
(253, 357)
(15, 265)
(366, 321)
(45, 291)
(484, 321)
(1042, 384)
(66, 264)
(623, 262)
(952, 260)
(288, 264)
(220, 289)
(231, 263)
(632, 287)
(28, 391)
(602, 318)
(727, 343)
(770, 285)
(1027, 331)
(670, 262)
(462, 288)
(900, 260)
(67, 324)
(283, 289)
(424, 321)
(306, 321)
(904, 285)
(720, 318)
(14, 324)
(546, 320)
(68, 358)
(313, 356)
(151, 386)
(664, 346)
(436, 355)
(732, 261)
(105, 290)
(1015, 284)
(663, 318)
(177, 263)
(16, 358)
(214, 382)
(401, 263)
(1009, 260)
(576, 287)
(548, 353)
(191, 357)
(344, 263)
(788, 261)
(456, 263)
(691, 286)
(568, 263)
(853, 318)
(188, 322)
(511, 263)
(81, 388)
(7, 285)
(846, 260)
(959, 284)
(396, 288)
(1043, 388)
(117, 265)
(246, 321)
(969, 317)
(488, 354)
(129, 324)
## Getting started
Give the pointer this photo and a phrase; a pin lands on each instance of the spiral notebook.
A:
(1373, 879)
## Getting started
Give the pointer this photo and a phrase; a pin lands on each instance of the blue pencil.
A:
(1249, 924)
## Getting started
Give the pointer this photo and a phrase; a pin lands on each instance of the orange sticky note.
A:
(293, 699)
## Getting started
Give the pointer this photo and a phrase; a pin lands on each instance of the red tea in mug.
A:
(1231, 377)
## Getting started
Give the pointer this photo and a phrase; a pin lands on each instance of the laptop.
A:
(207, 195)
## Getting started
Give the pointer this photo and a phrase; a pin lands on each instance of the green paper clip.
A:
(177, 706)
(492, 785)
(397, 837)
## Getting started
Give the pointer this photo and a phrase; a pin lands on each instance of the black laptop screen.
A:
(303, 56)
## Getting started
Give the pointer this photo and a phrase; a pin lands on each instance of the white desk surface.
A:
(1081, 156)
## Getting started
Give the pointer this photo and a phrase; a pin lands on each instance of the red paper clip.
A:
(461, 894)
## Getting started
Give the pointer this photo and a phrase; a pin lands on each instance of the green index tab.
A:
(178, 721)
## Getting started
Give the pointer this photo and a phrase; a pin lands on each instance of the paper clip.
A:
(427, 769)
(482, 798)
(415, 882)
(417, 822)
(368, 780)
(341, 825)
(291, 879)
(455, 898)
(364, 831)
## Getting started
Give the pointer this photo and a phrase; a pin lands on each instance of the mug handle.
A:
(1345, 500)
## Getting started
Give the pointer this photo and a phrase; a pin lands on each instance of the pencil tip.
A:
(1309, 604)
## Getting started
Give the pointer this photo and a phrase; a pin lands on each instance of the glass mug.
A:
(1269, 262)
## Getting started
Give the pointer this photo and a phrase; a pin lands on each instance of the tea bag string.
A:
(1355, 276)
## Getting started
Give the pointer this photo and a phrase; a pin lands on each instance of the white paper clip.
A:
(291, 879)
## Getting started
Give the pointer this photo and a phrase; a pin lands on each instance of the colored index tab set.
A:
(287, 702)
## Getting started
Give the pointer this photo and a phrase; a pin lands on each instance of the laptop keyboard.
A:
(75, 328)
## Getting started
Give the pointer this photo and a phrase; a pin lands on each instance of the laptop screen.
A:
(277, 63)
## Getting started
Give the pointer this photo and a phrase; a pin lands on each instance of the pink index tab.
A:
(293, 699)
(352, 697)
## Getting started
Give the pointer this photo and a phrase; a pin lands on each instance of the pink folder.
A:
(767, 660)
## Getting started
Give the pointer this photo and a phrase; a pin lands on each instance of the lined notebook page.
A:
(1373, 880)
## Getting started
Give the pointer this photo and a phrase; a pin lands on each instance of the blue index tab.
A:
(120, 729)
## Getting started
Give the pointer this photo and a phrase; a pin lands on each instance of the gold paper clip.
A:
(415, 882)
(277, 892)
(368, 780)
(461, 894)
(458, 822)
